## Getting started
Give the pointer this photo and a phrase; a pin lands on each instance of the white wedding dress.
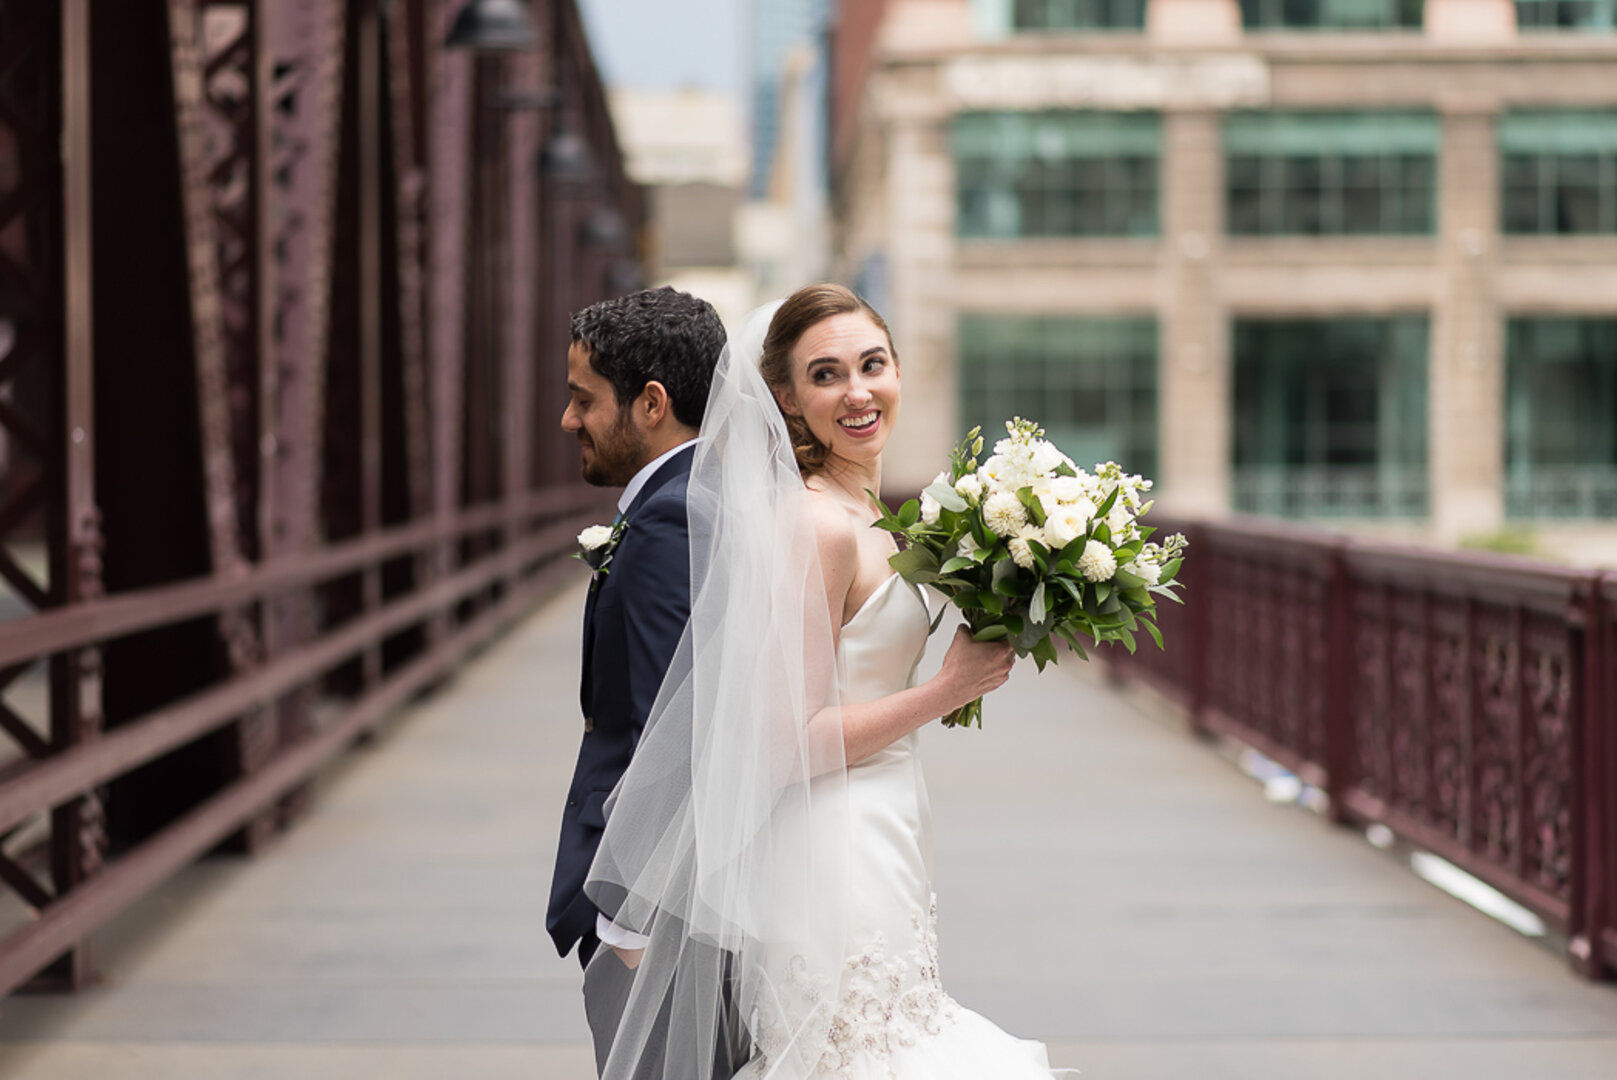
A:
(893, 1020)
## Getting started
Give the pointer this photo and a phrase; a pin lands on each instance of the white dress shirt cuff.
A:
(616, 936)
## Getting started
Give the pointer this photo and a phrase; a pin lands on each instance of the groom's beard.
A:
(617, 456)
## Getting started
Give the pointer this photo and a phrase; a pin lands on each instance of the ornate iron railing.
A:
(279, 383)
(1465, 701)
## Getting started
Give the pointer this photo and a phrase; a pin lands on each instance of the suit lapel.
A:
(676, 466)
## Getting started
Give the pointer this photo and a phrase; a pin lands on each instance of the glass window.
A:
(1551, 15)
(1561, 418)
(1092, 383)
(1332, 14)
(1078, 15)
(1330, 173)
(1330, 417)
(1022, 174)
(1558, 172)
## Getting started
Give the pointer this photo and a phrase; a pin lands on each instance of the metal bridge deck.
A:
(1106, 884)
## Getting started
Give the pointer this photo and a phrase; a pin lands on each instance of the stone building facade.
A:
(1344, 260)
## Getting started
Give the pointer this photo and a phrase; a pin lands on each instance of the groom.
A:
(638, 373)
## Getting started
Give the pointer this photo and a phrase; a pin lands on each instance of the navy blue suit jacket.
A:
(632, 625)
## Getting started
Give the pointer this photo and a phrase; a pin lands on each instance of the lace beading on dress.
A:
(886, 1000)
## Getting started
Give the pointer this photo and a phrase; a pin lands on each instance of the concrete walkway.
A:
(1106, 884)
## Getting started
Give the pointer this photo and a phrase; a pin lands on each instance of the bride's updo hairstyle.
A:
(805, 308)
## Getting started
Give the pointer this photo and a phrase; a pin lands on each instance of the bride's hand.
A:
(973, 668)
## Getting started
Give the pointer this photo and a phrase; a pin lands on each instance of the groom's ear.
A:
(653, 404)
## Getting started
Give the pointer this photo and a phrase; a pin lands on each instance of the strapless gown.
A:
(894, 1020)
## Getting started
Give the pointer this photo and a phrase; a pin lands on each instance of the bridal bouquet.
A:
(1030, 547)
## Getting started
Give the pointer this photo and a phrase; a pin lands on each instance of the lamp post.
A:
(493, 26)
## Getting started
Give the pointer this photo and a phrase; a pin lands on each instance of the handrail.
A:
(1467, 701)
(25, 640)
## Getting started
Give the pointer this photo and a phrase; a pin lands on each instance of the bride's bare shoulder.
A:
(835, 531)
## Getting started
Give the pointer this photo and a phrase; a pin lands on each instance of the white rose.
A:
(596, 536)
(1047, 502)
(1004, 513)
(930, 509)
(969, 487)
(1097, 563)
(1149, 572)
(1063, 527)
(968, 546)
(1084, 508)
(1018, 545)
(1067, 488)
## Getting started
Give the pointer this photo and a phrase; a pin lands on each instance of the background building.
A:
(687, 147)
(1329, 259)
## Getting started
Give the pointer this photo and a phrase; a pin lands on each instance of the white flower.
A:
(1068, 489)
(1097, 563)
(1118, 518)
(1045, 457)
(1149, 572)
(1004, 513)
(969, 487)
(595, 537)
(1047, 501)
(968, 546)
(1018, 545)
(1084, 508)
(1064, 526)
(930, 509)
(1009, 471)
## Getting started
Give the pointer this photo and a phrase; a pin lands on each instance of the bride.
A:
(772, 835)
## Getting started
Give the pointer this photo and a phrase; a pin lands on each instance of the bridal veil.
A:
(726, 840)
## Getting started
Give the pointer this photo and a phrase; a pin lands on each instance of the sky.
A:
(667, 44)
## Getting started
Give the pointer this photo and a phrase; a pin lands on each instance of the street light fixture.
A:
(493, 26)
(566, 159)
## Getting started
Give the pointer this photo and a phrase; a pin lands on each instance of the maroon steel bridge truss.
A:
(1468, 702)
(278, 391)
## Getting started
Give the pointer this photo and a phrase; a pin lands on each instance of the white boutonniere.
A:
(597, 544)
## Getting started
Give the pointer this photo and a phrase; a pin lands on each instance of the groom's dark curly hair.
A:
(655, 335)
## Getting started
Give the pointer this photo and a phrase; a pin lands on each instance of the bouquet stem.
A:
(968, 714)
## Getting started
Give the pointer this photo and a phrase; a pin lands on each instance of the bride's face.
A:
(845, 385)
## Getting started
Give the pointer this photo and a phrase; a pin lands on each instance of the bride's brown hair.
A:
(805, 308)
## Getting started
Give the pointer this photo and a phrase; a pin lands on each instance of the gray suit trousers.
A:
(606, 991)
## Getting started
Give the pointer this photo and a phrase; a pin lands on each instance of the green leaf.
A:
(981, 555)
(1035, 608)
(1071, 587)
(1106, 505)
(943, 609)
(991, 632)
(947, 497)
(1170, 570)
(1004, 576)
(1066, 470)
(1156, 635)
(1103, 592)
(1128, 640)
(1127, 580)
(1045, 652)
(991, 603)
(915, 564)
(909, 513)
(959, 562)
(1035, 509)
(1071, 638)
